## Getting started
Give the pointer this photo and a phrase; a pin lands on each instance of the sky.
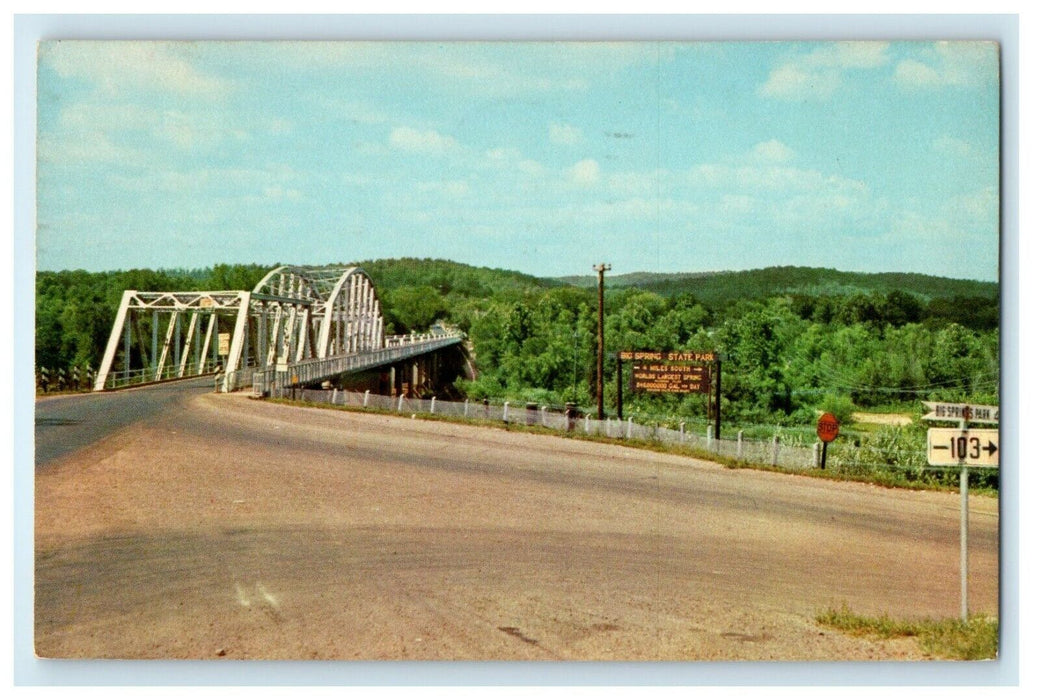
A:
(546, 158)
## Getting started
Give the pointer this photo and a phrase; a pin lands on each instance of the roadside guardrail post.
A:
(740, 444)
(364, 401)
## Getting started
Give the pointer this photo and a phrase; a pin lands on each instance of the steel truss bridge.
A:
(298, 326)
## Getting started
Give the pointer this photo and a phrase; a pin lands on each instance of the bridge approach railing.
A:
(275, 380)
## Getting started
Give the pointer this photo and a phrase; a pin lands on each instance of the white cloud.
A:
(949, 64)
(412, 140)
(450, 188)
(115, 67)
(280, 127)
(851, 54)
(979, 209)
(509, 157)
(277, 192)
(772, 151)
(564, 134)
(792, 82)
(913, 73)
(737, 204)
(530, 167)
(584, 172)
(635, 184)
(817, 75)
(950, 146)
(86, 148)
(770, 178)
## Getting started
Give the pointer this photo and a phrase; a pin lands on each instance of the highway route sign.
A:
(952, 447)
(961, 411)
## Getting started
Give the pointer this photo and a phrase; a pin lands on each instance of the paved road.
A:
(70, 422)
(229, 528)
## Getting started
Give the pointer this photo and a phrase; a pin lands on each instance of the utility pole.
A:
(601, 268)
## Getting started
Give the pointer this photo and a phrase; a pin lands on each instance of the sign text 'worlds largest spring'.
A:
(670, 378)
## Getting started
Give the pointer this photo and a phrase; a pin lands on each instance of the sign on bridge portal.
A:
(953, 447)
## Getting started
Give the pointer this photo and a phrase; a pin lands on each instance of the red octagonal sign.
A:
(827, 427)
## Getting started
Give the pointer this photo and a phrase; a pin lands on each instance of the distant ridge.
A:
(715, 287)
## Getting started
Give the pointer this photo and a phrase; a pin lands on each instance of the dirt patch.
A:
(882, 418)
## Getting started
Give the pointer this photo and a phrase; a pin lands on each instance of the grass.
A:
(973, 640)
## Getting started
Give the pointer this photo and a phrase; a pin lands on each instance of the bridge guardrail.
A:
(273, 381)
(757, 451)
(121, 379)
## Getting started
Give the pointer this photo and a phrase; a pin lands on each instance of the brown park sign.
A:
(827, 427)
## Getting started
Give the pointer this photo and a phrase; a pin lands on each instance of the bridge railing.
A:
(770, 452)
(274, 381)
(120, 379)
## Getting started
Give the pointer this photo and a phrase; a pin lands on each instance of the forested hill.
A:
(716, 288)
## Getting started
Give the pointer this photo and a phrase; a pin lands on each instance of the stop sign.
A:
(827, 427)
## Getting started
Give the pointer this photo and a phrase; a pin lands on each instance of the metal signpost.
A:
(963, 447)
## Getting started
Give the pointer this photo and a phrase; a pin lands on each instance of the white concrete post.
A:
(740, 444)
(364, 401)
(505, 412)
(433, 404)
(629, 434)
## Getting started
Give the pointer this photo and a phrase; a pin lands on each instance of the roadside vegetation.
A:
(973, 640)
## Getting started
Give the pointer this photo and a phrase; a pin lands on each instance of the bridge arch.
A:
(292, 315)
(344, 311)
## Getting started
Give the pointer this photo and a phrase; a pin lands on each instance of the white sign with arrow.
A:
(961, 411)
(952, 447)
